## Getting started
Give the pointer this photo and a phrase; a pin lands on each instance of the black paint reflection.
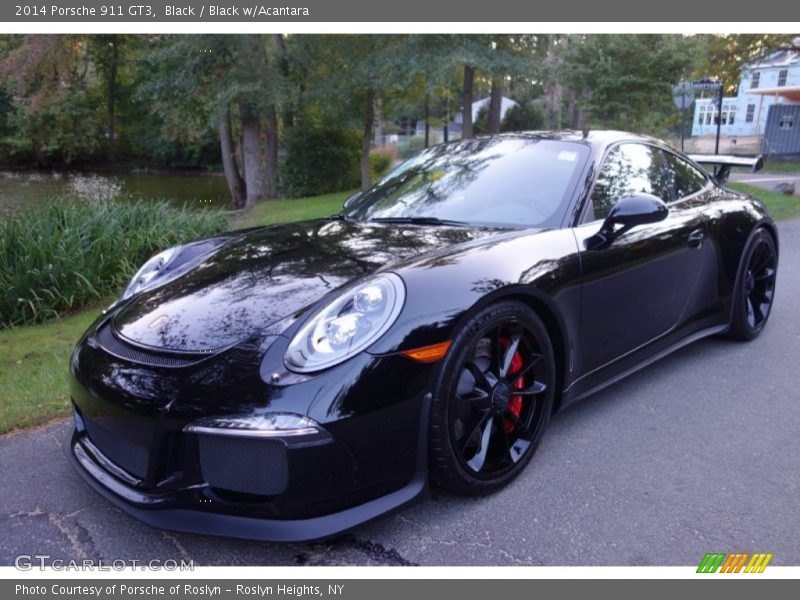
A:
(268, 274)
(497, 181)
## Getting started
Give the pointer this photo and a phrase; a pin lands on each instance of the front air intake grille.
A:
(113, 345)
(247, 465)
(130, 456)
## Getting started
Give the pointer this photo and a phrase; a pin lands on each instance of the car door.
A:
(637, 288)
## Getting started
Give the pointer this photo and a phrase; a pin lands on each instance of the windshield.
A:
(518, 182)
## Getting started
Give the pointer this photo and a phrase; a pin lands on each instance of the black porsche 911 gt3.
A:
(292, 381)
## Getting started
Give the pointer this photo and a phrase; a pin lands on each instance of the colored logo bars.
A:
(734, 563)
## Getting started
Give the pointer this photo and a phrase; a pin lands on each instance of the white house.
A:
(772, 79)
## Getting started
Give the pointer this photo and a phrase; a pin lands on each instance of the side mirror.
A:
(628, 212)
(352, 199)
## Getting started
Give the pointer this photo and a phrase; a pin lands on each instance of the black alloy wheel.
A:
(493, 400)
(755, 291)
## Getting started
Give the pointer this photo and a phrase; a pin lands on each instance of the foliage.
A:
(481, 124)
(60, 255)
(625, 82)
(320, 159)
(380, 161)
(409, 146)
(74, 99)
(523, 117)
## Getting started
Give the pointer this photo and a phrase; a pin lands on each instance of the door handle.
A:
(695, 238)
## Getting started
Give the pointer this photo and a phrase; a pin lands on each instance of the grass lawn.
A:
(296, 209)
(33, 369)
(780, 206)
(782, 166)
(33, 359)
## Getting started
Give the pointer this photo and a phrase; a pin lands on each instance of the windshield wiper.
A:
(419, 221)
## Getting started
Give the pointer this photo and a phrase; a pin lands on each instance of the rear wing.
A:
(722, 163)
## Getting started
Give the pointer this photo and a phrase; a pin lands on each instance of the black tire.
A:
(754, 291)
(482, 437)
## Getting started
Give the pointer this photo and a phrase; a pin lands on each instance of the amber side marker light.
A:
(428, 354)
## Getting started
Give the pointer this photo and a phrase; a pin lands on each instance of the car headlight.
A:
(347, 325)
(150, 270)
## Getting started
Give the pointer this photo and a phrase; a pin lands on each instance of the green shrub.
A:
(320, 160)
(523, 117)
(63, 254)
(410, 146)
(380, 161)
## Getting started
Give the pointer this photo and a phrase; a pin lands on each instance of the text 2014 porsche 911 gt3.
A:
(290, 382)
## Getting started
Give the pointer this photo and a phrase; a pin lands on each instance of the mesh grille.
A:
(109, 342)
(131, 457)
(251, 466)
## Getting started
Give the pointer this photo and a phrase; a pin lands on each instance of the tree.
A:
(224, 83)
(344, 76)
(625, 82)
(55, 110)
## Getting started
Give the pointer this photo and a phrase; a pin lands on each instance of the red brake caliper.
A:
(515, 403)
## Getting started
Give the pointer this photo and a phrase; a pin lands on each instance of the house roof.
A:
(779, 58)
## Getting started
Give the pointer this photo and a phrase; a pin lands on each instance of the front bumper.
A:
(161, 511)
(131, 445)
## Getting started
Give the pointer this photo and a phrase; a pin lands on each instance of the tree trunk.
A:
(366, 139)
(232, 176)
(572, 109)
(496, 104)
(427, 121)
(287, 114)
(271, 153)
(112, 99)
(466, 101)
(251, 156)
(553, 89)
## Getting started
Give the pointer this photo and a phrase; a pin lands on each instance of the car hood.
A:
(261, 276)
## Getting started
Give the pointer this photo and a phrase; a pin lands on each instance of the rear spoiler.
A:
(723, 162)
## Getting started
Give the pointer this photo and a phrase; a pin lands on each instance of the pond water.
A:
(26, 188)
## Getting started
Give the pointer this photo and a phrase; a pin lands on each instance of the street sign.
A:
(701, 84)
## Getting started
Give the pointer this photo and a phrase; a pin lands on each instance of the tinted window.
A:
(495, 181)
(682, 177)
(628, 169)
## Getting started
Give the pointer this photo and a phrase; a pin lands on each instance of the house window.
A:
(728, 114)
(751, 113)
(786, 122)
(782, 77)
(756, 79)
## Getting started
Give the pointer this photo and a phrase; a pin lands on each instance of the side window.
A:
(682, 177)
(628, 169)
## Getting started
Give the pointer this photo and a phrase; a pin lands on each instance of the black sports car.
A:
(292, 381)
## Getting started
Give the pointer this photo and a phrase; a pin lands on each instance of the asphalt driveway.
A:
(699, 452)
